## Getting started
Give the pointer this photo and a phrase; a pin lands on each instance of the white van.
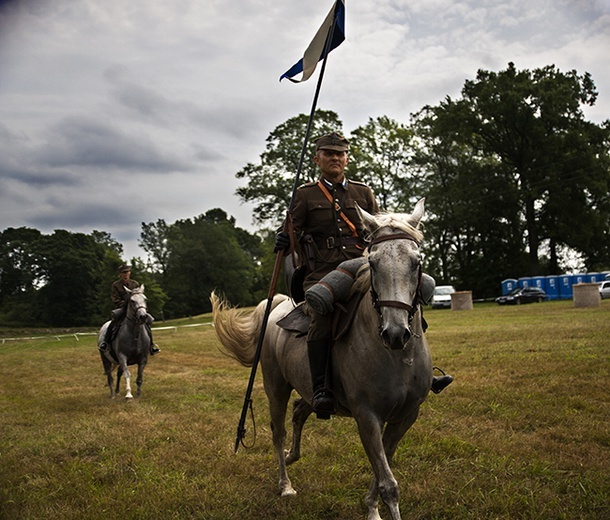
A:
(442, 296)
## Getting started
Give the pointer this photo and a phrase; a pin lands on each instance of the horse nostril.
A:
(394, 339)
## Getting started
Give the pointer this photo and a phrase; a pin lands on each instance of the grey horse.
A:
(382, 368)
(129, 346)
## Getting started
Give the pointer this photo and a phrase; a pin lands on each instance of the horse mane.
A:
(362, 283)
(390, 223)
(395, 222)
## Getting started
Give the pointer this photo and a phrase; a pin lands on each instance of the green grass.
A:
(522, 433)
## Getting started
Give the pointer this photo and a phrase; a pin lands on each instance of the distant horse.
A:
(382, 369)
(130, 344)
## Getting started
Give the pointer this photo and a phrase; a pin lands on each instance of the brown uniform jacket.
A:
(326, 239)
(118, 291)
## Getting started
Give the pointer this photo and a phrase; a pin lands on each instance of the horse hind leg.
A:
(300, 412)
(108, 369)
(278, 403)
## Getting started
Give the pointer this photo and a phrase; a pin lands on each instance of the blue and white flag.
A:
(315, 51)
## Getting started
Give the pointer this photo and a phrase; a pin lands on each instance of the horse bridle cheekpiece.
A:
(410, 308)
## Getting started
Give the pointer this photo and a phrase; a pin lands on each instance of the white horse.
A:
(382, 369)
(130, 346)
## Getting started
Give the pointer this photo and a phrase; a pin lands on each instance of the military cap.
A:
(124, 268)
(333, 141)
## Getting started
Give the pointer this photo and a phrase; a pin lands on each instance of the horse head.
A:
(395, 271)
(137, 309)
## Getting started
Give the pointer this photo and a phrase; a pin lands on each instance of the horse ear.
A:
(368, 220)
(418, 213)
(142, 288)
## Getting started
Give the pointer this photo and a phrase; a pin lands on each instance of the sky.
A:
(119, 112)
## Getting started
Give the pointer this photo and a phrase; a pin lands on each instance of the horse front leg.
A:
(384, 484)
(124, 370)
(140, 378)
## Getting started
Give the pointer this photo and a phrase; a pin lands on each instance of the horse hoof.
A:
(289, 492)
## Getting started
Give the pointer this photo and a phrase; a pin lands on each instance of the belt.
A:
(331, 243)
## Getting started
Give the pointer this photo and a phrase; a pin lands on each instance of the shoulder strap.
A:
(338, 209)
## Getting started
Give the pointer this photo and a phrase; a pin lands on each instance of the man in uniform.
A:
(327, 226)
(118, 292)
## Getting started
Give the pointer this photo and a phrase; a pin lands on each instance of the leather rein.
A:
(377, 303)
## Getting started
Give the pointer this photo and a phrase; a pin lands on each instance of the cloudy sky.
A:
(118, 112)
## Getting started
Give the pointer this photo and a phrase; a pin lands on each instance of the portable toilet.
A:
(579, 278)
(539, 281)
(565, 286)
(552, 287)
(525, 281)
(508, 285)
(594, 277)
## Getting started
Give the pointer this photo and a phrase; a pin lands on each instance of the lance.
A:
(241, 428)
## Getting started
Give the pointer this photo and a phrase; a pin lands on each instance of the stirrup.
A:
(441, 382)
(324, 404)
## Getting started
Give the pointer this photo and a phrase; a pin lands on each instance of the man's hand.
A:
(282, 242)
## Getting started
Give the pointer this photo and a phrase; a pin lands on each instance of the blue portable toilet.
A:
(579, 278)
(525, 281)
(594, 277)
(565, 286)
(552, 287)
(508, 285)
(539, 281)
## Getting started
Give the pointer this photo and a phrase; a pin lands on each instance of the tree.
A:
(531, 120)
(505, 163)
(71, 265)
(270, 183)
(380, 155)
(19, 274)
(204, 254)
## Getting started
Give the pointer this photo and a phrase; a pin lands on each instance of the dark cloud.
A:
(113, 113)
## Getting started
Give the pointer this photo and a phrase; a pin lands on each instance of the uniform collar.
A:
(330, 185)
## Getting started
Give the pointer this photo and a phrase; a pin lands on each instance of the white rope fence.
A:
(77, 334)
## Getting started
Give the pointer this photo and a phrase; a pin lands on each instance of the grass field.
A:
(522, 433)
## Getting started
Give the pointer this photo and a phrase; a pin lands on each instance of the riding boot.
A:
(439, 383)
(323, 401)
(153, 349)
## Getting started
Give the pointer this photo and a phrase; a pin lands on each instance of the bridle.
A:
(410, 308)
(135, 308)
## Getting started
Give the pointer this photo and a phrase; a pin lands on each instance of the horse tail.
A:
(238, 329)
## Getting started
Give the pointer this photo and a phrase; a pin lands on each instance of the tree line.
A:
(516, 182)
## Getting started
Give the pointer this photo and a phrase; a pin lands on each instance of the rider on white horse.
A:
(329, 231)
(118, 293)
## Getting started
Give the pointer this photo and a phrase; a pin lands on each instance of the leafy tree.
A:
(153, 239)
(19, 274)
(505, 164)
(71, 267)
(380, 155)
(271, 182)
(204, 254)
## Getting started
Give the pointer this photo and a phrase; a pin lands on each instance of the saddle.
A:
(297, 322)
